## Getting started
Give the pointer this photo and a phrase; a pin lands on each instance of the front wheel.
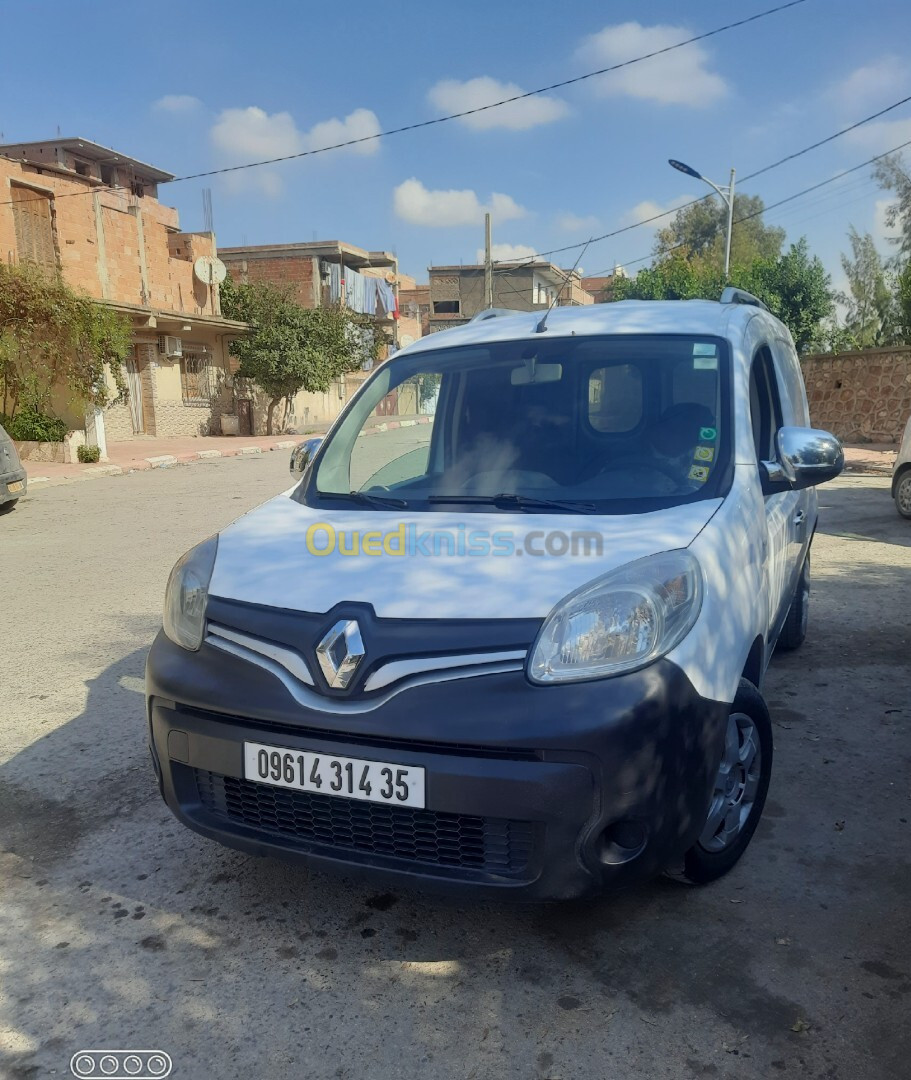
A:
(903, 495)
(739, 792)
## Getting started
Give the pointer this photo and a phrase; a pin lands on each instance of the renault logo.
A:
(340, 652)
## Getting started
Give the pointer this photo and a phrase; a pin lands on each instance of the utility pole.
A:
(727, 197)
(727, 244)
(488, 265)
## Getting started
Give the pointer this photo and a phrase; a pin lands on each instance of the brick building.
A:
(93, 214)
(457, 292)
(328, 272)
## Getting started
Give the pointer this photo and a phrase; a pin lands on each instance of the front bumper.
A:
(533, 792)
(9, 485)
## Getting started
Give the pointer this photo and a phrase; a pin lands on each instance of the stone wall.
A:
(860, 396)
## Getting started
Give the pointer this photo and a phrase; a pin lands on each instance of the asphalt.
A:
(120, 929)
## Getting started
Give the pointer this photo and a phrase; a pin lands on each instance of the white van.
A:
(508, 630)
(901, 474)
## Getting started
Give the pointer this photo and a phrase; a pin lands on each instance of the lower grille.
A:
(490, 845)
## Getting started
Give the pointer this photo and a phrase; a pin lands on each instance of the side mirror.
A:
(805, 457)
(302, 455)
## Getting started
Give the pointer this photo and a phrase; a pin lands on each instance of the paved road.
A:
(120, 928)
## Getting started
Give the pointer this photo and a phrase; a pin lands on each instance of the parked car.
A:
(512, 641)
(13, 481)
(901, 474)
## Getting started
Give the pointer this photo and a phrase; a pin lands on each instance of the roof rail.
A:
(740, 296)
(493, 313)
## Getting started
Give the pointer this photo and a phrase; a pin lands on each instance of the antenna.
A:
(542, 325)
(208, 220)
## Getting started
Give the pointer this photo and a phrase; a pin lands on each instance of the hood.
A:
(263, 558)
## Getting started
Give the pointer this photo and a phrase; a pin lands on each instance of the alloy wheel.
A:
(903, 495)
(736, 785)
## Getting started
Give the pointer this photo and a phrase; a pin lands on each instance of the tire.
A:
(795, 625)
(903, 494)
(731, 822)
(7, 506)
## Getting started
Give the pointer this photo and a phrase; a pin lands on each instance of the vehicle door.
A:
(783, 509)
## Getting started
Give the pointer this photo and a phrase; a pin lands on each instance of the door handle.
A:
(799, 517)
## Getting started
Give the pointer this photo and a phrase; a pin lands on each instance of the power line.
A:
(711, 194)
(496, 104)
(774, 205)
(465, 112)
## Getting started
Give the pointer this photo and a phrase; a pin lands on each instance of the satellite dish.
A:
(210, 270)
(390, 277)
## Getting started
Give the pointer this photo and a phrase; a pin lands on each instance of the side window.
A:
(398, 451)
(765, 404)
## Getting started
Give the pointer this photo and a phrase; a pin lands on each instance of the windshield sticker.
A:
(705, 453)
(708, 434)
(699, 473)
(705, 356)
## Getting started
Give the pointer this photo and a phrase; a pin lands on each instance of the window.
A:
(194, 377)
(32, 218)
(765, 405)
(82, 167)
(108, 175)
(627, 424)
(447, 307)
(615, 398)
(399, 454)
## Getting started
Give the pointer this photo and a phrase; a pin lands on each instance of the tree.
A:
(699, 231)
(292, 348)
(797, 290)
(794, 285)
(872, 316)
(52, 336)
(892, 175)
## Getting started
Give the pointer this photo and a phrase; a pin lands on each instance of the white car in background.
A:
(901, 475)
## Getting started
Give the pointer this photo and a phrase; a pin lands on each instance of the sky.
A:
(192, 87)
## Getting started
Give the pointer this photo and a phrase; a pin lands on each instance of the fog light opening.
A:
(621, 842)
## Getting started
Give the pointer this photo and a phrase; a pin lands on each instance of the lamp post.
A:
(727, 197)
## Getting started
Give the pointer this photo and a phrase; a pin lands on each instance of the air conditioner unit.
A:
(170, 346)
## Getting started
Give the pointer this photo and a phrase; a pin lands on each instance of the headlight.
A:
(621, 621)
(186, 595)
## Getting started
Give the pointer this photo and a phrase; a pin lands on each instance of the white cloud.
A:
(508, 252)
(680, 77)
(360, 124)
(417, 204)
(241, 135)
(573, 223)
(873, 83)
(881, 135)
(251, 133)
(451, 96)
(646, 209)
(177, 103)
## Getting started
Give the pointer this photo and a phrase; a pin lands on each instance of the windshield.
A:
(594, 424)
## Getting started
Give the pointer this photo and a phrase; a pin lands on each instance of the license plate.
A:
(328, 774)
(17, 485)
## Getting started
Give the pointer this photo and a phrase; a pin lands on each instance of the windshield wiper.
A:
(387, 502)
(520, 502)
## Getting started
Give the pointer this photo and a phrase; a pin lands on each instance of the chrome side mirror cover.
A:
(805, 457)
(302, 455)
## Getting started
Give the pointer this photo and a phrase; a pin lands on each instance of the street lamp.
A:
(727, 197)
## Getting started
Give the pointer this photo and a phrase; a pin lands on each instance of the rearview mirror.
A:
(805, 457)
(302, 455)
(536, 373)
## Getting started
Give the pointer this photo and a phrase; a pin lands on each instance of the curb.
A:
(161, 461)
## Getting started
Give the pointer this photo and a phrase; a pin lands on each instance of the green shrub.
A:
(30, 425)
(87, 453)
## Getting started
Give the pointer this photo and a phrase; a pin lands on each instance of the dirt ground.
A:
(120, 928)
